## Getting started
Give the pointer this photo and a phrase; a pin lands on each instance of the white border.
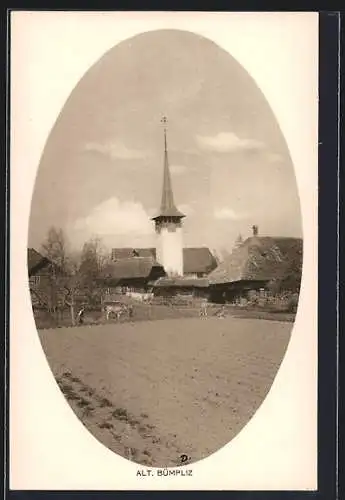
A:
(53, 451)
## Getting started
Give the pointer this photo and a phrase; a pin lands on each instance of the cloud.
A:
(116, 150)
(186, 209)
(178, 169)
(115, 218)
(228, 142)
(226, 213)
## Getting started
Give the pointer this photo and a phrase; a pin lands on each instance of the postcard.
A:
(164, 187)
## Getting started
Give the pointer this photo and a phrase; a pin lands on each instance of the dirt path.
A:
(153, 391)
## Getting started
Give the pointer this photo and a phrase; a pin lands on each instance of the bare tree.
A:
(73, 284)
(92, 261)
(238, 241)
(74, 275)
(89, 262)
(224, 253)
(54, 249)
(65, 277)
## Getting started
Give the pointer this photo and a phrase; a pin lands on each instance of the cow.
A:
(141, 296)
(118, 309)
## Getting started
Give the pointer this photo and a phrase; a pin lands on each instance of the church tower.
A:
(168, 224)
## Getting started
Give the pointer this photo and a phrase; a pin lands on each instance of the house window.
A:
(34, 280)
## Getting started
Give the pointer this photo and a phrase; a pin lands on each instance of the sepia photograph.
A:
(165, 249)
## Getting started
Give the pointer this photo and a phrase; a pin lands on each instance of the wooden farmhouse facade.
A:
(40, 272)
(181, 286)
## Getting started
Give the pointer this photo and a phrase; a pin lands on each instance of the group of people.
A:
(203, 311)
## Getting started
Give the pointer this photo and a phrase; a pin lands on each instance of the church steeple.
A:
(168, 223)
(168, 207)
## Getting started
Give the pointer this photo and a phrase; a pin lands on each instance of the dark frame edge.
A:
(328, 373)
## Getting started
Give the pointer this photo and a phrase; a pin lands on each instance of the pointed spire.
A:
(167, 202)
(168, 207)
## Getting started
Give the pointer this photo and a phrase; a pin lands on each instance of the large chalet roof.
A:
(130, 268)
(260, 259)
(198, 260)
(195, 259)
(128, 252)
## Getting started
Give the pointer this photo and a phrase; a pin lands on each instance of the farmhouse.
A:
(198, 262)
(169, 268)
(40, 270)
(38, 267)
(136, 273)
(48, 284)
(170, 287)
(260, 263)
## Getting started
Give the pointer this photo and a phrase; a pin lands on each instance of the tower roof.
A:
(168, 207)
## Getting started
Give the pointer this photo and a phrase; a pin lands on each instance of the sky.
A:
(101, 171)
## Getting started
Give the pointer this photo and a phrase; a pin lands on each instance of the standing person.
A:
(203, 309)
(222, 312)
(80, 317)
(130, 311)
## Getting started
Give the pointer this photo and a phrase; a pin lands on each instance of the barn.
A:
(198, 262)
(40, 270)
(38, 266)
(259, 264)
(181, 286)
(135, 273)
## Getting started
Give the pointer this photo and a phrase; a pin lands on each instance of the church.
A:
(256, 264)
(140, 268)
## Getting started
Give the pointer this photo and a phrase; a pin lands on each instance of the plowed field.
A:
(155, 390)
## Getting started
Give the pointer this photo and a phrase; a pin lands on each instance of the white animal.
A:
(135, 295)
(118, 309)
(147, 297)
(140, 297)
